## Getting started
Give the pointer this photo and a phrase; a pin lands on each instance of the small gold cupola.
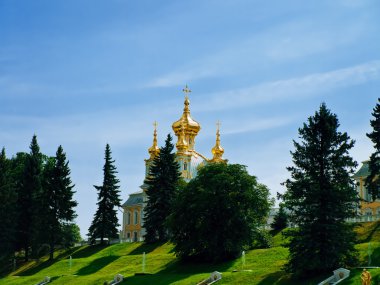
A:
(187, 123)
(181, 143)
(154, 150)
(217, 150)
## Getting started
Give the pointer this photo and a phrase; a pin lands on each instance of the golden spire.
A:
(217, 150)
(186, 90)
(154, 149)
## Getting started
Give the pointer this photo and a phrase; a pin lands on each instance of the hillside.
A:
(96, 264)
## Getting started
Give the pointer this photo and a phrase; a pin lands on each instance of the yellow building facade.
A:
(370, 210)
(186, 130)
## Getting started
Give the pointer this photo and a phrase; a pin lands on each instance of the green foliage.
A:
(163, 182)
(219, 213)
(57, 198)
(262, 239)
(280, 220)
(29, 200)
(320, 196)
(105, 222)
(8, 198)
(372, 181)
(70, 234)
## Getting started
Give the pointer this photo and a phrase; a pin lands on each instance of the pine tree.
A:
(29, 201)
(280, 220)
(162, 183)
(105, 221)
(7, 207)
(58, 198)
(320, 196)
(372, 181)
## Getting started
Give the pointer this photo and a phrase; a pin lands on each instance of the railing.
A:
(364, 218)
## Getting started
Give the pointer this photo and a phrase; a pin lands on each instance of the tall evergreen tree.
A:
(58, 197)
(320, 196)
(8, 198)
(280, 220)
(105, 221)
(29, 200)
(373, 181)
(162, 183)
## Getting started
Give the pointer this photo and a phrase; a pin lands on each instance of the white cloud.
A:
(294, 88)
(289, 41)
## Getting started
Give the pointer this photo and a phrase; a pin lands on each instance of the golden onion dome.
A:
(186, 122)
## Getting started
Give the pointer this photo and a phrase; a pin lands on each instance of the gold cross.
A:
(218, 124)
(155, 125)
(186, 90)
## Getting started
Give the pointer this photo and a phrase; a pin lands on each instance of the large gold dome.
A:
(186, 122)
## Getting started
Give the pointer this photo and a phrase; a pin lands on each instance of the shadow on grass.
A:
(97, 264)
(88, 251)
(146, 247)
(178, 270)
(37, 268)
(281, 278)
(66, 253)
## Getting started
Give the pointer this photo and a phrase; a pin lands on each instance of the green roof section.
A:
(134, 199)
(363, 171)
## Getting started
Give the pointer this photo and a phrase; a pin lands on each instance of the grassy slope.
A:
(94, 265)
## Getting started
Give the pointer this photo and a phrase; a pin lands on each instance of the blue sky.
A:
(86, 73)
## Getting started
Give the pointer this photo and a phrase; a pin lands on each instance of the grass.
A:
(96, 264)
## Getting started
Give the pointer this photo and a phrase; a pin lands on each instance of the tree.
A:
(29, 200)
(280, 220)
(70, 234)
(219, 213)
(372, 181)
(105, 221)
(57, 198)
(320, 196)
(8, 212)
(162, 184)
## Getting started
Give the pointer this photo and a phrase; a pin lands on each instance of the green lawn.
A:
(96, 264)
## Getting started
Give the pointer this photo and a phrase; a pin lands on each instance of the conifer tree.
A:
(280, 220)
(372, 181)
(29, 200)
(105, 222)
(7, 207)
(162, 183)
(58, 198)
(320, 196)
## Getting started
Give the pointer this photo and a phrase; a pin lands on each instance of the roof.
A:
(363, 170)
(134, 199)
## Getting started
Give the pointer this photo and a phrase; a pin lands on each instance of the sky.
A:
(85, 73)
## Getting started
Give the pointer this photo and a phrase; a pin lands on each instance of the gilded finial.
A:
(217, 150)
(154, 149)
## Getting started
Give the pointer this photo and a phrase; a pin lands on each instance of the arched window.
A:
(136, 218)
(128, 218)
(185, 166)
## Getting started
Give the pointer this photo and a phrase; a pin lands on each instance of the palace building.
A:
(185, 129)
(368, 208)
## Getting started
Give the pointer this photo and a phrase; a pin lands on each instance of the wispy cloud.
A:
(257, 125)
(294, 88)
(293, 40)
